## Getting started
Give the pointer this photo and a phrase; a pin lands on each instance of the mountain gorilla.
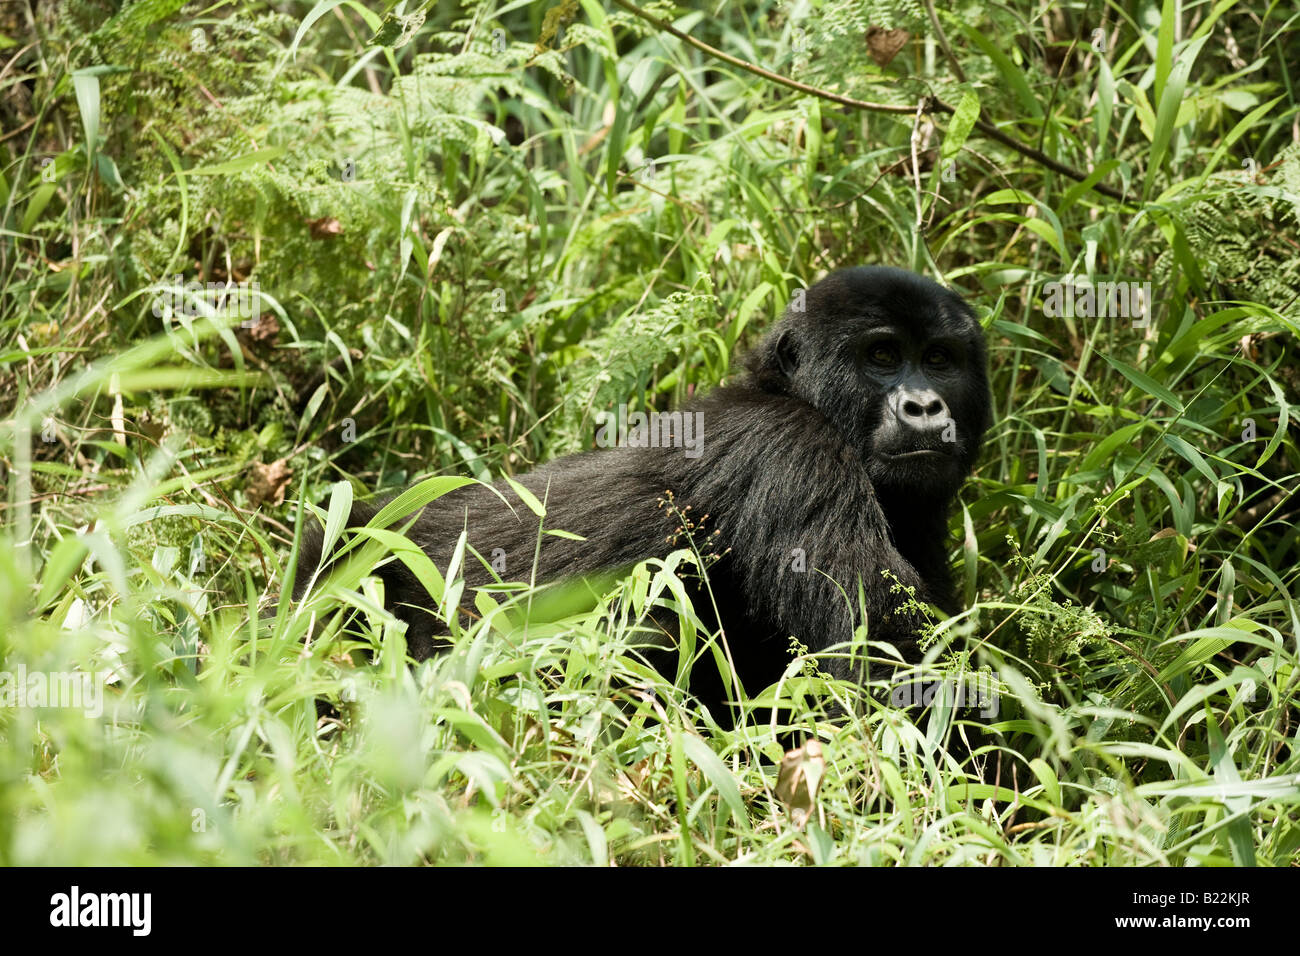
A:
(832, 461)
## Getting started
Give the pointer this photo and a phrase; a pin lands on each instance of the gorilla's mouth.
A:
(918, 454)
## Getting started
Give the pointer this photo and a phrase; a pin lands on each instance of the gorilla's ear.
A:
(774, 361)
(786, 352)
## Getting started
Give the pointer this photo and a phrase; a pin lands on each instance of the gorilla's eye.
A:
(938, 358)
(883, 353)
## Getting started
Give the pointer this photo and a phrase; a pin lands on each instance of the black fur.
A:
(823, 445)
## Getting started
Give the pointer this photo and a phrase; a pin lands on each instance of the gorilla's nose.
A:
(922, 409)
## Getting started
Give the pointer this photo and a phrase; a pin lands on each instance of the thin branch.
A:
(929, 104)
(758, 70)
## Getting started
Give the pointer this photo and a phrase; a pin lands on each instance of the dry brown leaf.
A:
(267, 483)
(262, 330)
(326, 227)
(883, 45)
(799, 779)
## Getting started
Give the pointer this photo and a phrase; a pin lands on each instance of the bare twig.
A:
(928, 104)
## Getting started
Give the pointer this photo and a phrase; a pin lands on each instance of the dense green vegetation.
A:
(473, 228)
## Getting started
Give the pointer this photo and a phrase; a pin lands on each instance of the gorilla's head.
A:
(897, 364)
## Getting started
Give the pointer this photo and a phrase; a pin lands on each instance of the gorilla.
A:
(818, 481)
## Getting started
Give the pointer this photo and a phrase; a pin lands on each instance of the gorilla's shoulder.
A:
(743, 422)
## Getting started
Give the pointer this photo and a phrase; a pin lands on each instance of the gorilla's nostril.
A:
(913, 409)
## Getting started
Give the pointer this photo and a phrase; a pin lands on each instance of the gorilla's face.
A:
(897, 364)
